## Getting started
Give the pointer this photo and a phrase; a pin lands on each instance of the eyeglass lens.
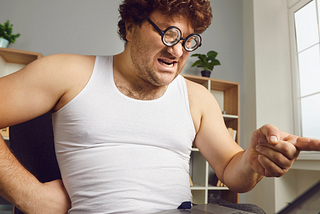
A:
(192, 42)
(172, 35)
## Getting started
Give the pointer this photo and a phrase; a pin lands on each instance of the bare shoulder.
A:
(67, 75)
(195, 88)
(72, 73)
(43, 85)
(61, 63)
(201, 102)
(199, 96)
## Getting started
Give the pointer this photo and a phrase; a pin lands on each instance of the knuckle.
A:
(278, 156)
(256, 134)
(278, 172)
(274, 173)
(278, 175)
(282, 172)
(289, 151)
(268, 125)
(286, 148)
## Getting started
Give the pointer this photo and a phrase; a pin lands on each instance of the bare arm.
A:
(216, 144)
(30, 92)
(42, 86)
(271, 152)
(23, 190)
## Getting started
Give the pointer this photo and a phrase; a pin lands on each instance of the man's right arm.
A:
(23, 190)
(26, 94)
(32, 91)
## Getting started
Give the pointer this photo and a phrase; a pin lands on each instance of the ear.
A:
(129, 30)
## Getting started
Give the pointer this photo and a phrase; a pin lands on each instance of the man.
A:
(124, 125)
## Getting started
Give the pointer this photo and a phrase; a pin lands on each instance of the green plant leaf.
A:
(203, 58)
(216, 62)
(6, 32)
(210, 67)
(195, 55)
(212, 54)
(207, 61)
(197, 63)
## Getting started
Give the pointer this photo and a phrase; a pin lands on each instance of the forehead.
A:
(164, 21)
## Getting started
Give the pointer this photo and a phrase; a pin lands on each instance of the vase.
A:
(3, 43)
(206, 73)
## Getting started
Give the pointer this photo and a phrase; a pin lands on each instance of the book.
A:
(233, 133)
(220, 184)
(191, 182)
(4, 132)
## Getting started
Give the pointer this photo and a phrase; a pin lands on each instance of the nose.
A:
(176, 50)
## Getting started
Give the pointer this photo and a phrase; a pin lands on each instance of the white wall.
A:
(268, 66)
(59, 26)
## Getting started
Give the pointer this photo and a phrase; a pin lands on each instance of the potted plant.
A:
(207, 62)
(6, 36)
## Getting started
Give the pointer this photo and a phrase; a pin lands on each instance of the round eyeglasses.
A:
(172, 35)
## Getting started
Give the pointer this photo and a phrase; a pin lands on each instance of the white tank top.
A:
(121, 155)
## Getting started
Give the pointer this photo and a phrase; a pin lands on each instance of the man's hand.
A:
(273, 152)
(50, 198)
(60, 199)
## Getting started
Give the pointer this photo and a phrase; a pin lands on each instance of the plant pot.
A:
(206, 73)
(3, 43)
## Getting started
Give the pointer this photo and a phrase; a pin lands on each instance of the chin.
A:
(166, 78)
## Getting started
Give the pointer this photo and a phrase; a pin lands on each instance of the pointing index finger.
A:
(307, 144)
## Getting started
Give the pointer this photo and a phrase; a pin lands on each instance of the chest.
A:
(100, 115)
(102, 118)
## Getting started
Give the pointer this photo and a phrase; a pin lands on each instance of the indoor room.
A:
(268, 74)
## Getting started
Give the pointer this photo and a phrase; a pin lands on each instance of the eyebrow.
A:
(165, 26)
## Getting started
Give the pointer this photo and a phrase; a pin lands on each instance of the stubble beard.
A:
(143, 64)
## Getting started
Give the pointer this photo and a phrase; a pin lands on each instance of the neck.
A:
(132, 85)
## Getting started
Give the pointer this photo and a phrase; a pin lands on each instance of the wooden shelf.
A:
(198, 187)
(219, 85)
(217, 188)
(18, 56)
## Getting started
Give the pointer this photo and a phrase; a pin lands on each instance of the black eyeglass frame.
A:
(162, 33)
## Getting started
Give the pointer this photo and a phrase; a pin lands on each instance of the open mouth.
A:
(166, 63)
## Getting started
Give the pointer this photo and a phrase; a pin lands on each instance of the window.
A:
(304, 29)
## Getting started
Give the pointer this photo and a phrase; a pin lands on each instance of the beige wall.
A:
(267, 69)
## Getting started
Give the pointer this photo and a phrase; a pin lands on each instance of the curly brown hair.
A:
(198, 12)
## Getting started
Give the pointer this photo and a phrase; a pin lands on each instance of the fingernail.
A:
(262, 141)
(258, 147)
(273, 139)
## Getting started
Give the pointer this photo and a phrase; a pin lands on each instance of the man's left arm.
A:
(225, 156)
(271, 152)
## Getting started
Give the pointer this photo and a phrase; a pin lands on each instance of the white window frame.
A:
(293, 6)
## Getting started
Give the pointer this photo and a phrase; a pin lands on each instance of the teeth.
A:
(167, 64)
